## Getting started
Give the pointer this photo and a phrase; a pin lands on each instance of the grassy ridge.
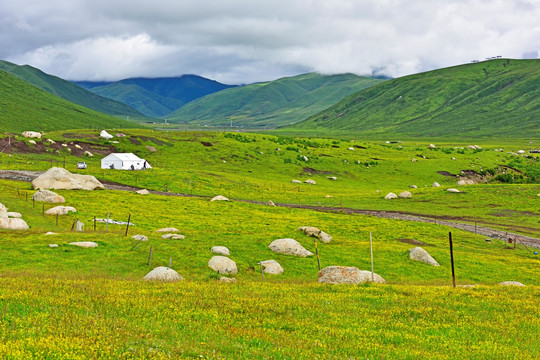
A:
(25, 107)
(492, 98)
(69, 91)
(269, 104)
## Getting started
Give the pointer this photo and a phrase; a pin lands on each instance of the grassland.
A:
(74, 303)
(496, 98)
(25, 107)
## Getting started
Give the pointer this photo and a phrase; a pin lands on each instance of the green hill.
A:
(25, 107)
(156, 97)
(70, 91)
(274, 103)
(491, 98)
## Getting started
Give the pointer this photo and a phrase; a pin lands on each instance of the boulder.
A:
(84, 244)
(511, 283)
(405, 195)
(168, 230)
(162, 273)
(13, 224)
(140, 237)
(271, 267)
(289, 247)
(466, 182)
(222, 265)
(219, 198)
(350, 148)
(390, 196)
(48, 196)
(296, 181)
(58, 178)
(224, 279)
(60, 210)
(142, 192)
(432, 146)
(13, 214)
(52, 246)
(422, 255)
(347, 275)
(316, 232)
(31, 134)
(173, 237)
(77, 146)
(220, 250)
(310, 181)
(105, 135)
(88, 153)
(453, 190)
(435, 184)
(413, 187)
(270, 203)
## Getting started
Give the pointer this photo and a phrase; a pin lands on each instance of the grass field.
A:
(72, 303)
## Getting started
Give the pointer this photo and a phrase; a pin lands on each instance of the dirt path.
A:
(23, 175)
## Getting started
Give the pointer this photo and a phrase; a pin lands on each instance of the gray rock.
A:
(310, 181)
(435, 184)
(60, 210)
(162, 273)
(405, 195)
(465, 182)
(52, 246)
(390, 196)
(289, 247)
(13, 224)
(223, 265)
(271, 267)
(84, 244)
(220, 250)
(140, 237)
(48, 196)
(511, 283)
(422, 255)
(173, 236)
(219, 198)
(347, 275)
(142, 192)
(453, 190)
(59, 178)
(296, 181)
(224, 279)
(168, 230)
(316, 232)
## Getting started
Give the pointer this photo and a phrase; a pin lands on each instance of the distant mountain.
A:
(156, 97)
(269, 104)
(491, 98)
(25, 107)
(69, 91)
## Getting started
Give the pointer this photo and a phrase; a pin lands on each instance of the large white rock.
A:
(219, 198)
(405, 195)
(31, 134)
(60, 210)
(13, 224)
(289, 247)
(220, 250)
(58, 178)
(271, 267)
(310, 181)
(173, 236)
(466, 182)
(140, 237)
(316, 232)
(162, 273)
(390, 196)
(48, 196)
(431, 146)
(168, 230)
(105, 135)
(84, 244)
(422, 255)
(296, 181)
(435, 184)
(222, 265)
(511, 283)
(347, 275)
(142, 192)
(453, 190)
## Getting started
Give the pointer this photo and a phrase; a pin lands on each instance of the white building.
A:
(124, 161)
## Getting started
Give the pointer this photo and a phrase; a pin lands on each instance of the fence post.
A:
(371, 251)
(452, 259)
(107, 223)
(127, 227)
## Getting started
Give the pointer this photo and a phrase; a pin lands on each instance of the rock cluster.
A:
(347, 275)
(61, 179)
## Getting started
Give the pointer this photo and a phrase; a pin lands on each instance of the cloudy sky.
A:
(243, 41)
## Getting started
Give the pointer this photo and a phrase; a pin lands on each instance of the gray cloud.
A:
(242, 41)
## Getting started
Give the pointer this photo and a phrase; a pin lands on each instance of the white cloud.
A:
(244, 41)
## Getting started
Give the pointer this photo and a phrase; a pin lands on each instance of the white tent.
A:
(124, 161)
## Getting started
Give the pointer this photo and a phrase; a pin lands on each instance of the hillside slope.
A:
(497, 97)
(283, 101)
(156, 97)
(25, 107)
(70, 91)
